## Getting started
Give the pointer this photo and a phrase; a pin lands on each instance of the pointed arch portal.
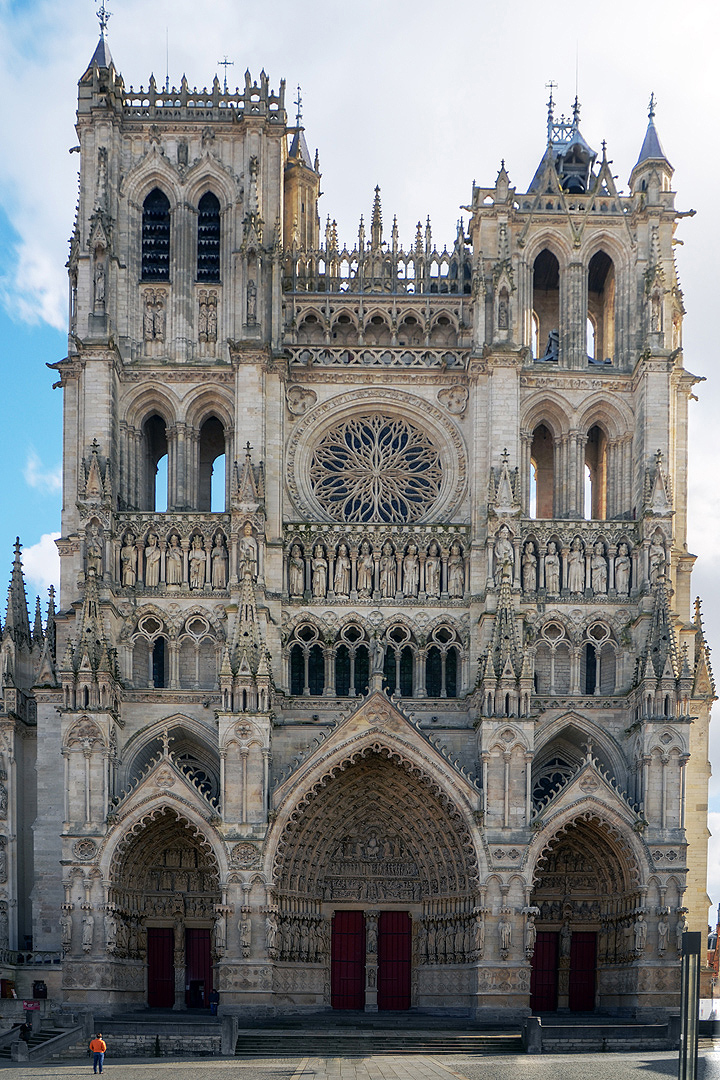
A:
(164, 885)
(587, 896)
(375, 850)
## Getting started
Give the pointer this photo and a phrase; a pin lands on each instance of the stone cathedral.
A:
(374, 680)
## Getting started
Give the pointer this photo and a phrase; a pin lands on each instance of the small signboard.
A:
(30, 1006)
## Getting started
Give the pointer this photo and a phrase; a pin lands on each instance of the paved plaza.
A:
(389, 1067)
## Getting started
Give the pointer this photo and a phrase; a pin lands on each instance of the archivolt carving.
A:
(354, 835)
(595, 820)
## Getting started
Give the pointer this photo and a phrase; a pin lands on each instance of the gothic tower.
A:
(375, 631)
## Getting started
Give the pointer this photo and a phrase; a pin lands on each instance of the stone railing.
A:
(377, 357)
(376, 563)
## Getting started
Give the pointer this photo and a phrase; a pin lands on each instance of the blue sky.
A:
(417, 97)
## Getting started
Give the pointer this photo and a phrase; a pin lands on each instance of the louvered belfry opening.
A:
(156, 237)
(208, 249)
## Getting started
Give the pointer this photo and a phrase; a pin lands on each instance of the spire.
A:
(101, 57)
(505, 650)
(37, 634)
(299, 151)
(651, 150)
(245, 641)
(661, 647)
(50, 631)
(17, 621)
(376, 227)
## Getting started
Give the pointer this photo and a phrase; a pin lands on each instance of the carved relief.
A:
(300, 399)
(455, 399)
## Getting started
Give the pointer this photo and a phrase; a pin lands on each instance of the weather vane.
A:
(298, 102)
(103, 15)
(651, 106)
(226, 64)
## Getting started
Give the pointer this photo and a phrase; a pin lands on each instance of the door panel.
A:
(347, 978)
(581, 990)
(544, 973)
(161, 973)
(394, 947)
(198, 967)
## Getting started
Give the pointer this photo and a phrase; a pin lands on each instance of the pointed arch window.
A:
(208, 239)
(156, 237)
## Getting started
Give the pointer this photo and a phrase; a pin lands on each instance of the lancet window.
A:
(307, 663)
(442, 664)
(156, 237)
(400, 662)
(601, 306)
(208, 238)
(352, 663)
(546, 305)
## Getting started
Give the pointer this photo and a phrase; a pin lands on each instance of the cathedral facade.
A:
(374, 680)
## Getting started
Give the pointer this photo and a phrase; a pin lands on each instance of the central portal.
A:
(371, 960)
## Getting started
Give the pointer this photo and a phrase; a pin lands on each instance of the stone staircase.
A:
(362, 1034)
(44, 1043)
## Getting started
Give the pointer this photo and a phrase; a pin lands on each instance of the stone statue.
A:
(247, 553)
(319, 567)
(622, 570)
(110, 932)
(296, 571)
(503, 311)
(530, 936)
(251, 302)
(663, 932)
(219, 560)
(128, 560)
(505, 933)
(197, 563)
(245, 928)
(552, 569)
(598, 569)
(220, 932)
(479, 934)
(4, 926)
(174, 561)
(565, 939)
(504, 555)
(640, 932)
(365, 572)
(680, 929)
(529, 568)
(212, 316)
(388, 571)
(656, 559)
(88, 931)
(433, 567)
(378, 657)
(152, 561)
(341, 585)
(411, 571)
(271, 928)
(66, 929)
(94, 551)
(576, 567)
(456, 572)
(100, 280)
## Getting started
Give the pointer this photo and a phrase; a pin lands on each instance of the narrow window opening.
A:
(542, 458)
(590, 669)
(297, 671)
(156, 237)
(212, 447)
(407, 661)
(208, 244)
(158, 664)
(546, 305)
(342, 671)
(156, 449)
(316, 670)
(433, 672)
(451, 673)
(601, 306)
(596, 474)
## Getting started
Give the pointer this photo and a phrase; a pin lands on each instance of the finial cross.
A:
(103, 15)
(298, 102)
(225, 63)
(651, 106)
(248, 448)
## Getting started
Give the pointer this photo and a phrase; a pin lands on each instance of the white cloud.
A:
(41, 563)
(37, 476)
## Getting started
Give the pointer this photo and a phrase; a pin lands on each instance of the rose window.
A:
(376, 468)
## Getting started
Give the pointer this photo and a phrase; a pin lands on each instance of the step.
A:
(336, 1044)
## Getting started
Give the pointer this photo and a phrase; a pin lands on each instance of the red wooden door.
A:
(544, 973)
(161, 972)
(394, 937)
(198, 967)
(347, 970)
(581, 991)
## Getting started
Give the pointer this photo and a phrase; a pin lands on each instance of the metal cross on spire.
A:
(298, 102)
(651, 106)
(225, 63)
(103, 15)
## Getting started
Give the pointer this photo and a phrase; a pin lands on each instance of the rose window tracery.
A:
(376, 468)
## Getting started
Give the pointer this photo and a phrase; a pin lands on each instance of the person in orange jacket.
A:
(98, 1048)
